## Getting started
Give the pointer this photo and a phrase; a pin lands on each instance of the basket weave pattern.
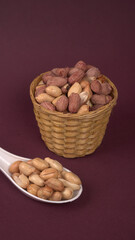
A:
(72, 135)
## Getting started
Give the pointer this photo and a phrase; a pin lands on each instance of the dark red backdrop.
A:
(36, 36)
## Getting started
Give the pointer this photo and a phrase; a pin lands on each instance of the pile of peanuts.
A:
(79, 89)
(45, 178)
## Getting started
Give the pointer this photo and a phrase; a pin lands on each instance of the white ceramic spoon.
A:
(6, 159)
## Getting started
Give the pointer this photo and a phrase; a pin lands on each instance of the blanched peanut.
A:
(44, 97)
(67, 193)
(26, 168)
(71, 177)
(69, 184)
(30, 162)
(55, 184)
(88, 90)
(84, 97)
(49, 173)
(83, 109)
(84, 82)
(34, 178)
(75, 88)
(14, 167)
(56, 196)
(33, 188)
(21, 180)
(40, 164)
(45, 192)
(54, 164)
(53, 91)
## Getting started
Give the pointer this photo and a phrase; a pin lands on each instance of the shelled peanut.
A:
(45, 178)
(78, 89)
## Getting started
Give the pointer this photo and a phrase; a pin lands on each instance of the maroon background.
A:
(36, 36)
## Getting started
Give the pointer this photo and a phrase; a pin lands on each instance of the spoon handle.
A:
(6, 159)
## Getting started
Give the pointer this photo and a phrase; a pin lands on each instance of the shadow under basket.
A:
(72, 135)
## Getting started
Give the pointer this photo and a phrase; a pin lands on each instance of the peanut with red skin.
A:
(81, 65)
(76, 77)
(62, 104)
(48, 106)
(74, 103)
(93, 72)
(56, 81)
(46, 76)
(72, 70)
(61, 72)
(101, 99)
(39, 89)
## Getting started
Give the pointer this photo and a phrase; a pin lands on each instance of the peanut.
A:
(69, 184)
(56, 196)
(14, 167)
(101, 99)
(65, 88)
(84, 97)
(93, 73)
(39, 89)
(33, 188)
(67, 193)
(72, 70)
(53, 91)
(45, 192)
(96, 86)
(81, 65)
(48, 106)
(61, 72)
(71, 177)
(40, 164)
(62, 104)
(75, 88)
(26, 168)
(55, 184)
(34, 178)
(83, 109)
(44, 97)
(54, 164)
(49, 173)
(46, 76)
(57, 81)
(76, 76)
(74, 103)
(21, 180)
(88, 90)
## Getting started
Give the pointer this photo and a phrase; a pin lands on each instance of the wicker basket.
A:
(72, 135)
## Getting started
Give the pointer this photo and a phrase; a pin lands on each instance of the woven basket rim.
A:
(91, 114)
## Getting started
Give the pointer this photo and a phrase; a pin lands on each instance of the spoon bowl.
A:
(6, 159)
